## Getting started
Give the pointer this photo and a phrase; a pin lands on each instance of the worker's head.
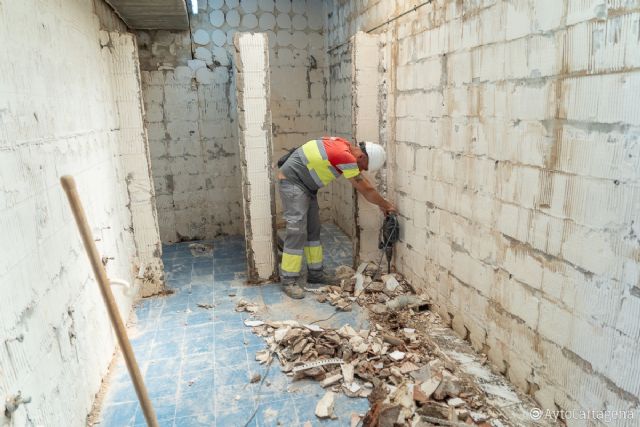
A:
(369, 155)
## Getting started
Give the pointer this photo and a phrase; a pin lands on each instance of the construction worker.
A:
(302, 173)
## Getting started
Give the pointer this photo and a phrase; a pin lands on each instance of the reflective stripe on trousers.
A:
(302, 217)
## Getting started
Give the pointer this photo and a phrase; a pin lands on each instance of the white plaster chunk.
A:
(283, 20)
(299, 6)
(204, 76)
(249, 6)
(218, 37)
(284, 38)
(216, 18)
(299, 22)
(267, 21)
(266, 5)
(231, 4)
(300, 39)
(215, 4)
(204, 54)
(249, 21)
(283, 6)
(220, 55)
(324, 408)
(201, 37)
(233, 18)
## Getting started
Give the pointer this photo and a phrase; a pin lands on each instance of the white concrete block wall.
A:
(254, 129)
(339, 113)
(516, 175)
(367, 104)
(67, 106)
(191, 110)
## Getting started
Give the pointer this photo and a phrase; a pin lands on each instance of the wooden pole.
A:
(69, 185)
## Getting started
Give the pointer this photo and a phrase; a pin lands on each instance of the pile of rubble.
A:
(387, 293)
(394, 363)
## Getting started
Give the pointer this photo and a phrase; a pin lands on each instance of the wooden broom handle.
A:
(69, 185)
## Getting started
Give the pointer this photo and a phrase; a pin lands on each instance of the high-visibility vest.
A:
(321, 168)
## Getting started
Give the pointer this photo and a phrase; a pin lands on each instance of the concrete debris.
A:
(347, 372)
(253, 323)
(324, 408)
(455, 402)
(201, 249)
(247, 306)
(390, 282)
(329, 381)
(478, 417)
(397, 355)
(205, 306)
(394, 363)
(404, 301)
(344, 272)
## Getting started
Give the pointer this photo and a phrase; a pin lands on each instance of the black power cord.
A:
(391, 237)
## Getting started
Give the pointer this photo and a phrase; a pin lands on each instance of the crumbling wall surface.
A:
(69, 106)
(254, 122)
(339, 110)
(517, 178)
(367, 78)
(191, 115)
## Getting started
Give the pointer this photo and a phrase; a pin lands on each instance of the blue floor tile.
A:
(231, 375)
(197, 362)
(194, 404)
(119, 414)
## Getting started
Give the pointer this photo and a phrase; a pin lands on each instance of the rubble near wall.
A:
(516, 177)
(406, 362)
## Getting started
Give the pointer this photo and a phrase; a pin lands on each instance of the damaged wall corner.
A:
(367, 78)
(254, 122)
(135, 160)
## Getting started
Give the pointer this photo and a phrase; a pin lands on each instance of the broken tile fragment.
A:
(324, 408)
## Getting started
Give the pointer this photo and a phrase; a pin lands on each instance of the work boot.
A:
(319, 277)
(291, 288)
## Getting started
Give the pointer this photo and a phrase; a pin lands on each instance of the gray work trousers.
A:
(302, 215)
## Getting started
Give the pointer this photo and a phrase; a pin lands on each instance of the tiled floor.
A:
(197, 361)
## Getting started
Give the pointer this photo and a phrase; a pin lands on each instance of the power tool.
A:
(389, 235)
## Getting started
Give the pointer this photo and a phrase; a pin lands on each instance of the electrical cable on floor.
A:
(379, 265)
(266, 374)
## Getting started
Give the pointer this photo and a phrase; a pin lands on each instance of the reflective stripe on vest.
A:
(317, 162)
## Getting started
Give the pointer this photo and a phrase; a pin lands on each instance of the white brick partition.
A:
(69, 104)
(517, 177)
(254, 121)
(366, 81)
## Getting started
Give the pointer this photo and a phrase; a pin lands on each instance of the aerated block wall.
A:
(517, 178)
(69, 104)
(339, 111)
(191, 113)
(254, 129)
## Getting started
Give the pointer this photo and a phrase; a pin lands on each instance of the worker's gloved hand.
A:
(389, 209)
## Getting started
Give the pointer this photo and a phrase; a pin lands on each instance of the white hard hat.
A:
(376, 155)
